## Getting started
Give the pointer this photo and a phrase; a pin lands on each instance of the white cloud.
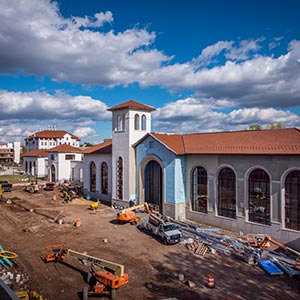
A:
(204, 115)
(41, 106)
(44, 43)
(98, 20)
(85, 132)
(78, 49)
(28, 112)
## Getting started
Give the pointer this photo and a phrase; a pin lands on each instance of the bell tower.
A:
(130, 122)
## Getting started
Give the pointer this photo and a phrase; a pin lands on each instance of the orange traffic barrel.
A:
(297, 264)
(210, 281)
(77, 223)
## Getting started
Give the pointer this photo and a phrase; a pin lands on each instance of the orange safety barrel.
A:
(210, 281)
(77, 223)
(297, 264)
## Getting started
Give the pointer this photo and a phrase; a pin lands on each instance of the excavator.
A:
(105, 276)
(127, 215)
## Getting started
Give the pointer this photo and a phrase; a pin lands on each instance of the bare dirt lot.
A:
(27, 226)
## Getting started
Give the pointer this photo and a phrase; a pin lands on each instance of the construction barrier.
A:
(77, 222)
(210, 281)
(297, 264)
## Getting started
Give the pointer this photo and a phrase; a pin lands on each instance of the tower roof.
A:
(132, 104)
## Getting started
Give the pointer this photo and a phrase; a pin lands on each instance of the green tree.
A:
(254, 127)
(275, 126)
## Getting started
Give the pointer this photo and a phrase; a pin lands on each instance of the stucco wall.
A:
(98, 159)
(173, 173)
(277, 167)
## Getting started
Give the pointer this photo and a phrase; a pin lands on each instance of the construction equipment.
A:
(105, 276)
(268, 239)
(94, 205)
(127, 215)
(22, 295)
(69, 193)
(164, 230)
(33, 187)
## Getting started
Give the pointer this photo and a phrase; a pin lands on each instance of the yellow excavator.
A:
(127, 215)
(105, 276)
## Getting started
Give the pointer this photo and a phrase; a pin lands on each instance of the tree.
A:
(275, 126)
(254, 127)
(87, 144)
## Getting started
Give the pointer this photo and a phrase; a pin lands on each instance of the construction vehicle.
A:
(33, 187)
(49, 186)
(69, 193)
(6, 186)
(22, 295)
(127, 215)
(94, 205)
(163, 229)
(105, 276)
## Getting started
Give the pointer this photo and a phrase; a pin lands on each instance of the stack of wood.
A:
(197, 248)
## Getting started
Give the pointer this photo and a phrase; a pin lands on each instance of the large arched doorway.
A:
(153, 184)
(53, 178)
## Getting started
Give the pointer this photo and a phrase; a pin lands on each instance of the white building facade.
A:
(48, 139)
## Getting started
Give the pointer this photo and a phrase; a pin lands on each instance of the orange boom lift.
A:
(105, 276)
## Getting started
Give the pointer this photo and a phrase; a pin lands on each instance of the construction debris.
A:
(255, 249)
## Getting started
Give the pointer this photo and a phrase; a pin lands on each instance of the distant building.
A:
(10, 152)
(47, 139)
(43, 159)
(65, 163)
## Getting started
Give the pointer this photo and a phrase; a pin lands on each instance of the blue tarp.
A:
(269, 267)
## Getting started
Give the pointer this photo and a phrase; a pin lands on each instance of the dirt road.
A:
(27, 226)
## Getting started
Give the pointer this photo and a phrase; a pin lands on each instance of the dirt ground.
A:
(28, 225)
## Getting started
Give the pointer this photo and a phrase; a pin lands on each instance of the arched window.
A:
(30, 168)
(104, 178)
(92, 177)
(120, 178)
(119, 124)
(143, 122)
(53, 173)
(292, 200)
(227, 193)
(26, 167)
(259, 197)
(199, 190)
(137, 122)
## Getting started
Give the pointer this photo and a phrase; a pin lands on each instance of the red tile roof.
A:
(132, 104)
(278, 141)
(105, 147)
(48, 134)
(36, 153)
(65, 148)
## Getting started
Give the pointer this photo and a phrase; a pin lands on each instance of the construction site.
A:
(56, 246)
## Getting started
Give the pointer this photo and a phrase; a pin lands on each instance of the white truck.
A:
(164, 230)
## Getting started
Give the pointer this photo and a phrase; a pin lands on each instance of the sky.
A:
(205, 66)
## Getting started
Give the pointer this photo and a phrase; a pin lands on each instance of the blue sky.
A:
(204, 65)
